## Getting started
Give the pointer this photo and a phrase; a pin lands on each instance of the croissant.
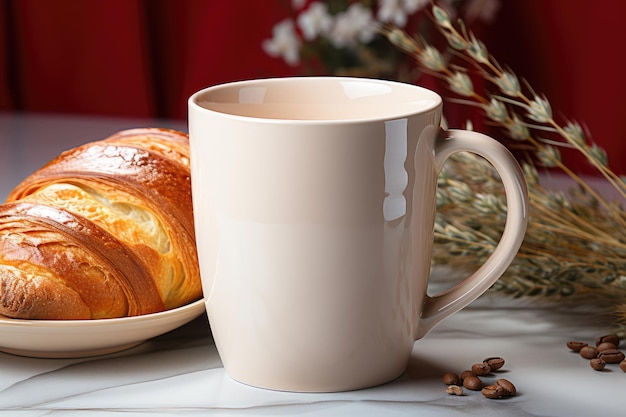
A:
(104, 230)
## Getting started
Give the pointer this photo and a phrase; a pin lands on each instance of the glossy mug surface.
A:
(314, 203)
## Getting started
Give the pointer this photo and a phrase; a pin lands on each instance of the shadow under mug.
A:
(314, 204)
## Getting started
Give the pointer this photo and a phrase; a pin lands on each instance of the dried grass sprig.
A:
(575, 249)
(502, 102)
(571, 254)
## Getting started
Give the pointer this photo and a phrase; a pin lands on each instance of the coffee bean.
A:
(622, 366)
(495, 391)
(507, 385)
(494, 362)
(588, 352)
(481, 369)
(612, 355)
(597, 363)
(606, 346)
(611, 338)
(473, 383)
(466, 374)
(454, 390)
(470, 379)
(503, 388)
(575, 345)
(450, 378)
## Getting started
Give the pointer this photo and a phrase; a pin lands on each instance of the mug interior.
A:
(317, 98)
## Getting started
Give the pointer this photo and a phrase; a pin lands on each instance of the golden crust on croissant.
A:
(104, 230)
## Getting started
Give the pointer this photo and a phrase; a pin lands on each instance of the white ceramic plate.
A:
(82, 338)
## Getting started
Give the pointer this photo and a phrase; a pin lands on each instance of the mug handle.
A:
(448, 302)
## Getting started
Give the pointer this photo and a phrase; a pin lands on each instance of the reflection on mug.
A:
(396, 177)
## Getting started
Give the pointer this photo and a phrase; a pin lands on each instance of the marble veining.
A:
(180, 373)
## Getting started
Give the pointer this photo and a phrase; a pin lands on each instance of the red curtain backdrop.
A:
(129, 57)
(574, 52)
(143, 58)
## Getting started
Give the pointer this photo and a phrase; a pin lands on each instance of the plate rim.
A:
(71, 338)
(43, 323)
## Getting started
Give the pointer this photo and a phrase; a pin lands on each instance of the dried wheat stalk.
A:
(575, 247)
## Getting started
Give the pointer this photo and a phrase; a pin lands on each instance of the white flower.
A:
(354, 25)
(297, 4)
(412, 6)
(315, 21)
(485, 10)
(398, 11)
(284, 43)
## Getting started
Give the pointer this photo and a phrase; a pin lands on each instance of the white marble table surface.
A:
(180, 373)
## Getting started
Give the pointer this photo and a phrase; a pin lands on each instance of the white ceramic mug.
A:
(314, 202)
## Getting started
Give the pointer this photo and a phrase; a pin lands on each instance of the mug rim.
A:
(431, 99)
